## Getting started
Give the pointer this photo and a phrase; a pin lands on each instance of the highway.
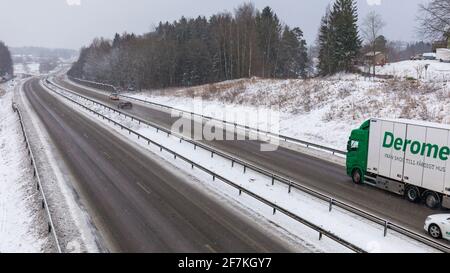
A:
(321, 175)
(138, 204)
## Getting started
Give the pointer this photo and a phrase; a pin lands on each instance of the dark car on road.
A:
(125, 105)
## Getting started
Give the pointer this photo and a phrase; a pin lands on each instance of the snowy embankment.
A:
(348, 226)
(319, 110)
(21, 225)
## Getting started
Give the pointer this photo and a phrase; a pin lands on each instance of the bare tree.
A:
(434, 19)
(371, 30)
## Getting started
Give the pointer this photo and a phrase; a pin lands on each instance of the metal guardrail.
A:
(290, 183)
(236, 125)
(322, 232)
(51, 227)
(387, 225)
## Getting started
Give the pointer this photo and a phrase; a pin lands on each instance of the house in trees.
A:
(377, 58)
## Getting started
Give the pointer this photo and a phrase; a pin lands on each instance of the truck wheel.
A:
(435, 231)
(356, 176)
(432, 200)
(412, 194)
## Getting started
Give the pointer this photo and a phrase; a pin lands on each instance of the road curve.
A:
(138, 205)
(322, 175)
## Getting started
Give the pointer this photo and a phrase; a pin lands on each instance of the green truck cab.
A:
(357, 150)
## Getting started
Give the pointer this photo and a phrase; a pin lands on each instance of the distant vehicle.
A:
(417, 57)
(114, 96)
(429, 56)
(406, 157)
(125, 105)
(443, 55)
(438, 226)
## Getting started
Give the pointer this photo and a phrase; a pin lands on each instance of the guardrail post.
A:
(320, 235)
(212, 154)
(290, 187)
(245, 169)
(274, 211)
(232, 163)
(386, 223)
(331, 205)
(273, 180)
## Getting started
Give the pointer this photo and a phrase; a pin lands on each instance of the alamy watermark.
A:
(263, 119)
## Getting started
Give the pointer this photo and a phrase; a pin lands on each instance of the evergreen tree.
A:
(268, 28)
(292, 57)
(346, 42)
(325, 45)
(6, 63)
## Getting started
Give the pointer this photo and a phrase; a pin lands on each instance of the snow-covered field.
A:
(21, 225)
(436, 72)
(358, 231)
(319, 110)
(31, 68)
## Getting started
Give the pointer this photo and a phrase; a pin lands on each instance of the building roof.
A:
(371, 54)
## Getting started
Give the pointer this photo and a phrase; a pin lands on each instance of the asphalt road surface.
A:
(322, 175)
(139, 205)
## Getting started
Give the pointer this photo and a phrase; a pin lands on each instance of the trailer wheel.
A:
(432, 200)
(356, 176)
(412, 194)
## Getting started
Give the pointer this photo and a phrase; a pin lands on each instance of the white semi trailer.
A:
(443, 54)
(406, 157)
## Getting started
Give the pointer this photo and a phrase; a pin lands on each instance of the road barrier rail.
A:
(284, 138)
(332, 202)
(50, 225)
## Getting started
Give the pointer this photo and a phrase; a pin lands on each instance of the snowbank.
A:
(21, 229)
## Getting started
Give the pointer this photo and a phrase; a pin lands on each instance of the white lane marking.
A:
(210, 249)
(143, 188)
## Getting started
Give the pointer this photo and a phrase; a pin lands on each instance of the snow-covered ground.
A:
(353, 228)
(22, 228)
(319, 110)
(436, 72)
(30, 69)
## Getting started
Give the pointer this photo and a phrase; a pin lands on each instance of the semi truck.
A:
(405, 157)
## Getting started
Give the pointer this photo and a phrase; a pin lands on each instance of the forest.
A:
(195, 51)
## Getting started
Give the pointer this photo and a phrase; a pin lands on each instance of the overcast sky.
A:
(74, 23)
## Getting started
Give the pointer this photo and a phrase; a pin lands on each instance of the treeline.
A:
(6, 63)
(196, 51)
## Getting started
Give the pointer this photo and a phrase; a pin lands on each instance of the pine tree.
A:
(292, 57)
(346, 42)
(325, 45)
(268, 29)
